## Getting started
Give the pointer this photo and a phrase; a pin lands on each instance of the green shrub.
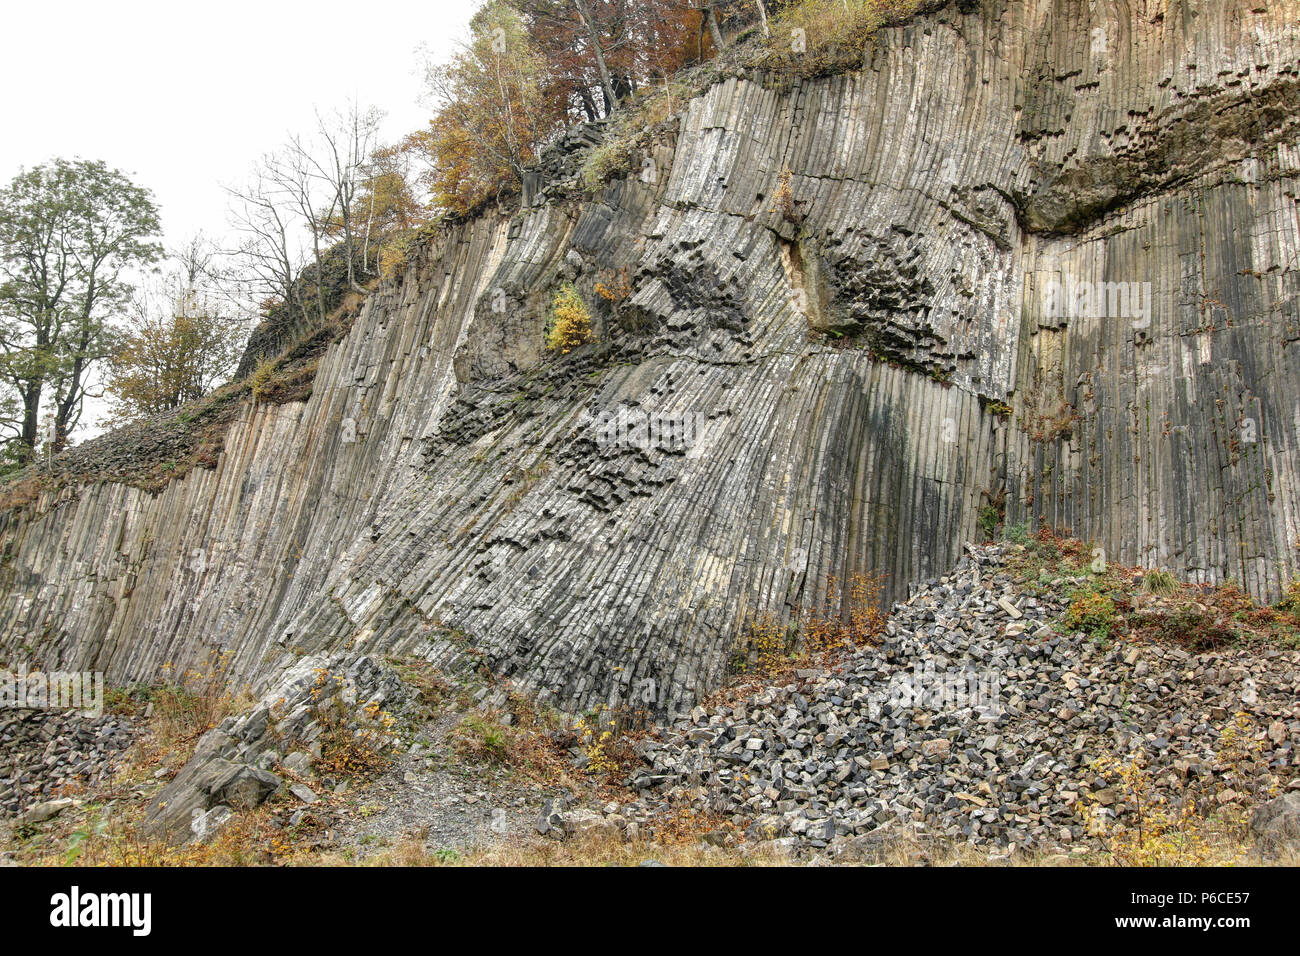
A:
(1093, 613)
(481, 738)
(611, 158)
(1159, 582)
(989, 519)
(1017, 533)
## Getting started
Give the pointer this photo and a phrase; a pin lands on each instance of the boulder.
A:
(1276, 824)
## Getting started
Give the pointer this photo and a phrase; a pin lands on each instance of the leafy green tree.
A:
(70, 233)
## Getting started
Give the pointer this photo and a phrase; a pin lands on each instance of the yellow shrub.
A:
(608, 737)
(260, 380)
(570, 321)
(1155, 831)
(764, 646)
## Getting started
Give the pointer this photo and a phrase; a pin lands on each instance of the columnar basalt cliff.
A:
(861, 368)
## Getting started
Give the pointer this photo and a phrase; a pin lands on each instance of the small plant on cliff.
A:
(614, 286)
(607, 736)
(1055, 424)
(570, 324)
(1160, 582)
(993, 512)
(611, 158)
(260, 380)
(482, 738)
(850, 617)
(353, 743)
(1290, 603)
(764, 647)
(783, 199)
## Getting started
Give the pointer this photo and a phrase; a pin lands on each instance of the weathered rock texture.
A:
(447, 487)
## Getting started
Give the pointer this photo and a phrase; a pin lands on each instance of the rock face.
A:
(1040, 257)
(1276, 824)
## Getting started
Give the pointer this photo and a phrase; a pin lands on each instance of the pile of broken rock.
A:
(975, 719)
(47, 755)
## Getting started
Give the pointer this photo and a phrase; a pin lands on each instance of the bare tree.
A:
(312, 183)
(296, 184)
(269, 258)
(346, 141)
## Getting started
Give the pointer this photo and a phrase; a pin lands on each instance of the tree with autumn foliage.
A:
(599, 53)
(180, 339)
(169, 358)
(382, 209)
(494, 113)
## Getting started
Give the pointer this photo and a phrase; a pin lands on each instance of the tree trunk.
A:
(31, 421)
(714, 30)
(593, 37)
(588, 105)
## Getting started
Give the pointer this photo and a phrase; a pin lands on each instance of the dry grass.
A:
(194, 703)
(814, 37)
(769, 651)
(531, 743)
(108, 835)
(605, 849)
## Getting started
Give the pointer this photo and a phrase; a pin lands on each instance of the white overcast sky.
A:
(185, 96)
